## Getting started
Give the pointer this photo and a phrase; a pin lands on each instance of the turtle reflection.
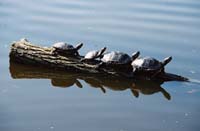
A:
(145, 87)
(102, 82)
(148, 88)
(93, 82)
(66, 82)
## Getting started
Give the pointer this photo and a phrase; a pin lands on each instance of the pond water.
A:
(157, 28)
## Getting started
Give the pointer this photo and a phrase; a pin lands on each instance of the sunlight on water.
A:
(33, 99)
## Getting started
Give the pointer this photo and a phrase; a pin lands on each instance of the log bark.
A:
(30, 54)
(27, 53)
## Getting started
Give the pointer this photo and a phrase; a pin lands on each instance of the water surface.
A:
(156, 28)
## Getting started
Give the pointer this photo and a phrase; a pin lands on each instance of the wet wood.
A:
(30, 54)
(27, 53)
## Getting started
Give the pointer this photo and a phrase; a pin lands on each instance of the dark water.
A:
(157, 28)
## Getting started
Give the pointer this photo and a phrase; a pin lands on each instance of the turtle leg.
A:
(135, 93)
(76, 53)
(102, 89)
(165, 94)
(100, 65)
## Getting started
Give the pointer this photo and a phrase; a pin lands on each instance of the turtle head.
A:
(166, 60)
(101, 51)
(78, 46)
(163, 64)
(135, 55)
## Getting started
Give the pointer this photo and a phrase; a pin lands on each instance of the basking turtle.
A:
(63, 48)
(118, 58)
(91, 55)
(150, 65)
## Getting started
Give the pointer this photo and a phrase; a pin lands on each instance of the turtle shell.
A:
(116, 58)
(63, 46)
(91, 54)
(146, 64)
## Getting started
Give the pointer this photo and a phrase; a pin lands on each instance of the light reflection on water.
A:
(156, 28)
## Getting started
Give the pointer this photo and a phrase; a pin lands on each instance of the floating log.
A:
(27, 53)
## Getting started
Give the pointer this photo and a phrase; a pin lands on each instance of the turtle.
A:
(118, 58)
(149, 65)
(94, 54)
(63, 48)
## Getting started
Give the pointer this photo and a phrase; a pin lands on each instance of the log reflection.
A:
(102, 82)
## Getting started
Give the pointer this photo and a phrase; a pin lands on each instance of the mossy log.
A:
(27, 53)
